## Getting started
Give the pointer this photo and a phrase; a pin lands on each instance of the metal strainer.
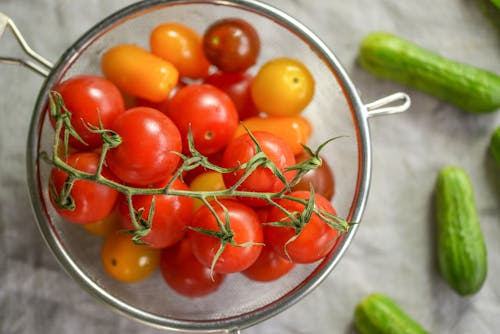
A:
(336, 109)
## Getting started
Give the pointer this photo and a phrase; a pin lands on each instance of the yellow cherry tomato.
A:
(295, 130)
(208, 181)
(127, 261)
(181, 46)
(282, 87)
(139, 73)
(106, 226)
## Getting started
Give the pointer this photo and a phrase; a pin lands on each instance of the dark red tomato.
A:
(314, 241)
(149, 139)
(93, 201)
(245, 226)
(210, 114)
(231, 44)
(171, 215)
(269, 266)
(320, 178)
(237, 86)
(88, 98)
(262, 179)
(185, 274)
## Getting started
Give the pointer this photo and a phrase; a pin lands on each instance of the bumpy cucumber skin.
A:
(495, 145)
(378, 314)
(462, 257)
(467, 87)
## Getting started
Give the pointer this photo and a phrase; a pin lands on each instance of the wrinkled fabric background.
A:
(394, 249)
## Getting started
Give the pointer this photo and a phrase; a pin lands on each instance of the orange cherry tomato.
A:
(106, 226)
(127, 261)
(139, 73)
(282, 87)
(208, 181)
(181, 46)
(295, 130)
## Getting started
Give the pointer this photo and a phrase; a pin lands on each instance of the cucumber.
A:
(470, 88)
(495, 145)
(379, 314)
(462, 257)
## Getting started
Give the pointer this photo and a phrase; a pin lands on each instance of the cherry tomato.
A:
(171, 215)
(92, 201)
(209, 113)
(139, 73)
(295, 130)
(262, 179)
(282, 87)
(126, 261)
(316, 238)
(231, 44)
(208, 181)
(237, 86)
(320, 178)
(185, 274)
(181, 46)
(149, 139)
(90, 98)
(106, 226)
(246, 228)
(268, 267)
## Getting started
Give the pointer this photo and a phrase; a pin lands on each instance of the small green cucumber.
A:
(379, 314)
(495, 145)
(462, 258)
(470, 88)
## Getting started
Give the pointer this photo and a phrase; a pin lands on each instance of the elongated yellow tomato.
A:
(295, 130)
(282, 87)
(139, 73)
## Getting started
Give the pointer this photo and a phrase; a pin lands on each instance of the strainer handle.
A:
(37, 63)
(395, 103)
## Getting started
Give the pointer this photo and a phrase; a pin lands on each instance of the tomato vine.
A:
(111, 139)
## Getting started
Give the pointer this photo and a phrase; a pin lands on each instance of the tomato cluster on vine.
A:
(190, 158)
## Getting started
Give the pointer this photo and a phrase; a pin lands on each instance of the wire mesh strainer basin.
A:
(336, 110)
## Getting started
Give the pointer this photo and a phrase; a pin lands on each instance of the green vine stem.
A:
(142, 226)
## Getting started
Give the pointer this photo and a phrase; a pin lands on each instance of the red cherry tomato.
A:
(171, 215)
(209, 113)
(242, 149)
(90, 98)
(237, 86)
(269, 266)
(149, 139)
(231, 44)
(246, 228)
(316, 238)
(126, 261)
(181, 46)
(92, 201)
(185, 274)
(320, 178)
